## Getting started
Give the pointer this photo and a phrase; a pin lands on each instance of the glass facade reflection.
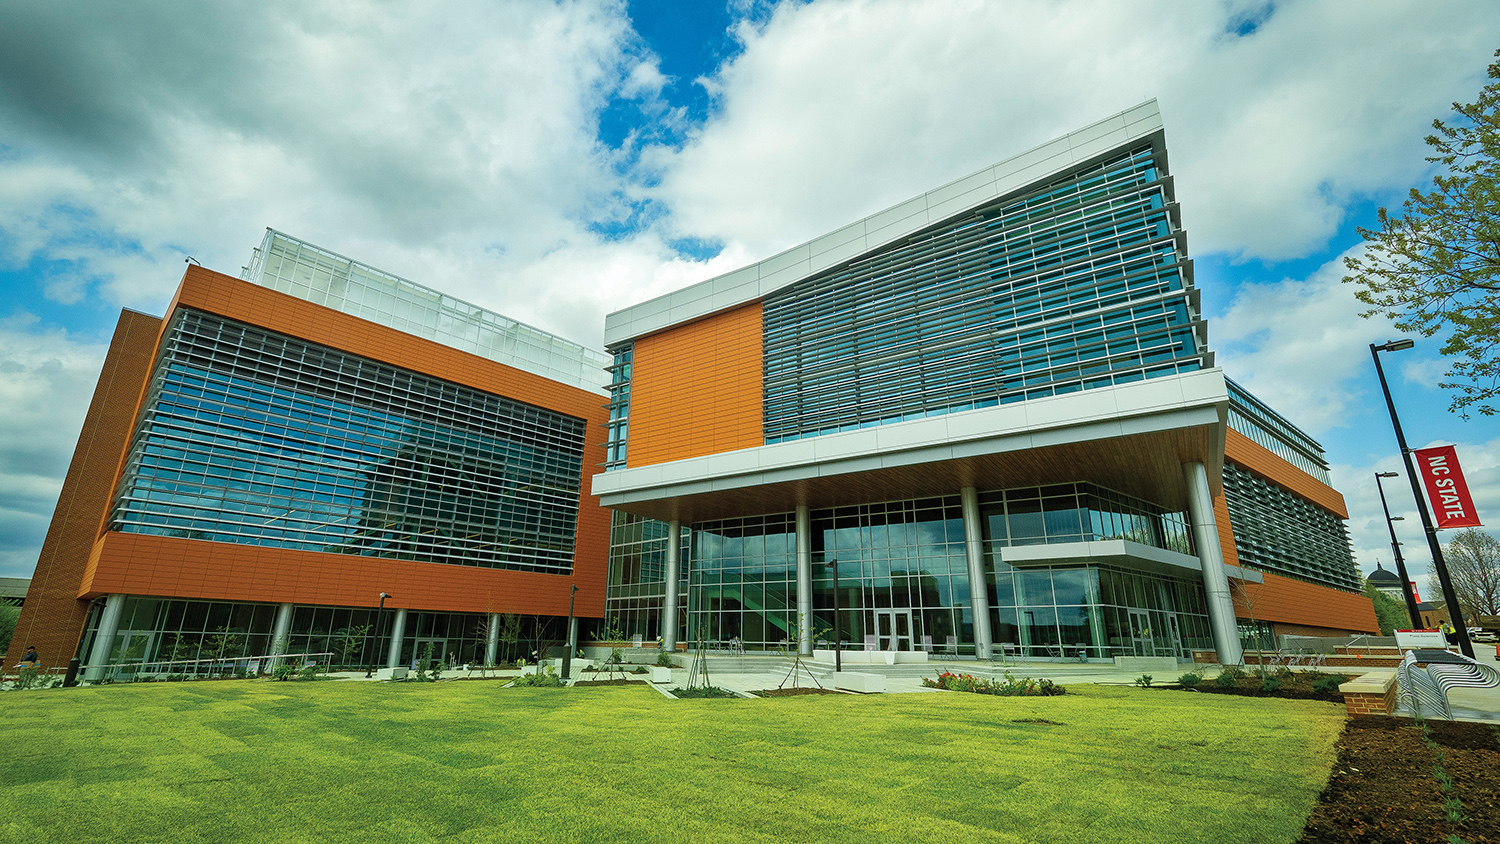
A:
(252, 437)
(1079, 283)
(903, 571)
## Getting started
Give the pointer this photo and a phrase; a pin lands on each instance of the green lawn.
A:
(469, 761)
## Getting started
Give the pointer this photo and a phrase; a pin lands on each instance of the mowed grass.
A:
(469, 761)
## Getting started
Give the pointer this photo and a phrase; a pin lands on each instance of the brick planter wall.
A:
(1370, 694)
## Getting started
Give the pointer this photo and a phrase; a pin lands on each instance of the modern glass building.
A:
(991, 413)
(283, 448)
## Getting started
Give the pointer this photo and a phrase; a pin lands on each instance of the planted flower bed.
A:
(1281, 682)
(1009, 687)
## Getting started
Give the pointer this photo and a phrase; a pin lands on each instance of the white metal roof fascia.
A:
(1122, 552)
(755, 281)
(1176, 401)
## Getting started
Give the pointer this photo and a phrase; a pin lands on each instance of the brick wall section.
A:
(53, 616)
(1283, 600)
(1370, 694)
(696, 389)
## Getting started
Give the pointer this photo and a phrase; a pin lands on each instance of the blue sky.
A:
(555, 161)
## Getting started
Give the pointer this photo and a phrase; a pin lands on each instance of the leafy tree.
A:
(1473, 559)
(1435, 265)
(1390, 613)
(9, 615)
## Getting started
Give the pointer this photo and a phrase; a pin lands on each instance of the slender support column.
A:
(280, 632)
(979, 587)
(398, 632)
(104, 640)
(674, 579)
(572, 636)
(492, 641)
(1215, 581)
(804, 582)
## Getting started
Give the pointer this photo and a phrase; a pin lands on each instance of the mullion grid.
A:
(897, 336)
(287, 444)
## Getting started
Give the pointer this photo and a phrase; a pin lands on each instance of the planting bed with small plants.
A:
(1396, 780)
(1279, 682)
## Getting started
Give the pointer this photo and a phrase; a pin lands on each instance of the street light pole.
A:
(379, 614)
(1455, 612)
(1390, 522)
(568, 636)
(838, 652)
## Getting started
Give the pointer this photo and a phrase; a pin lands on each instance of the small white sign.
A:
(1409, 639)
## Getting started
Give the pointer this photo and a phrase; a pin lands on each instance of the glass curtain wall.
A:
(256, 438)
(1079, 283)
(902, 567)
(636, 586)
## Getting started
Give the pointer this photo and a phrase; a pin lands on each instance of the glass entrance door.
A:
(1140, 633)
(893, 630)
(1174, 635)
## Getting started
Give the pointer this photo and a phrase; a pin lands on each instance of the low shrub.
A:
(546, 679)
(1009, 687)
(1330, 682)
(1144, 681)
(664, 659)
(1226, 680)
(1270, 683)
(701, 691)
(639, 669)
(1190, 680)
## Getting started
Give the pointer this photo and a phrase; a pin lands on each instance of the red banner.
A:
(1451, 504)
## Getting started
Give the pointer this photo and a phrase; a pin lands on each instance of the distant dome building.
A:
(1386, 581)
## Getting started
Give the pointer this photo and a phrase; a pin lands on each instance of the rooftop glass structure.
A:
(309, 272)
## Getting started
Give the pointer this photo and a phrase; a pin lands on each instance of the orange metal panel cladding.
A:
(169, 567)
(141, 564)
(1254, 458)
(52, 618)
(696, 389)
(1282, 599)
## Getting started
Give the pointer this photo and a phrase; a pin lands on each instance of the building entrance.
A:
(1140, 633)
(1174, 635)
(893, 630)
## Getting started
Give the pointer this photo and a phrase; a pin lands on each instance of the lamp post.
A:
(379, 614)
(1390, 522)
(838, 652)
(1455, 612)
(568, 635)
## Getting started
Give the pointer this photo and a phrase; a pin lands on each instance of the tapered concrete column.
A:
(280, 632)
(398, 632)
(104, 640)
(804, 582)
(492, 640)
(573, 635)
(1215, 581)
(979, 589)
(673, 575)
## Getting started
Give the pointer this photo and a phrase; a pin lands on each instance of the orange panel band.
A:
(696, 389)
(1256, 459)
(1282, 599)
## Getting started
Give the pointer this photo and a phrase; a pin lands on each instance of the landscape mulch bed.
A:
(1382, 789)
(795, 692)
(615, 682)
